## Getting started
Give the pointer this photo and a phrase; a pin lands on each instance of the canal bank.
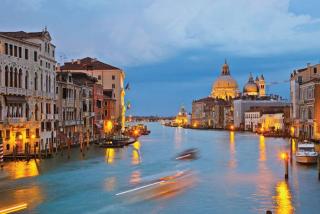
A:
(235, 171)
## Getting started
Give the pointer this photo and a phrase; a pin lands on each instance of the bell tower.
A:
(262, 86)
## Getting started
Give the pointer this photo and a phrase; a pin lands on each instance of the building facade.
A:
(108, 76)
(27, 92)
(305, 98)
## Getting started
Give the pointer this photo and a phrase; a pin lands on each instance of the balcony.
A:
(49, 116)
(2, 90)
(14, 120)
(29, 92)
(88, 114)
(16, 91)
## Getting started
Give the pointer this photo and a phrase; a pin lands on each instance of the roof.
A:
(25, 35)
(87, 63)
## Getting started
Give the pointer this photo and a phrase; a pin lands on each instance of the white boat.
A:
(306, 153)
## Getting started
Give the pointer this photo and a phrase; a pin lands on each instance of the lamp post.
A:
(284, 156)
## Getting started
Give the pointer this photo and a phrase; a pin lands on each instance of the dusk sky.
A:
(172, 50)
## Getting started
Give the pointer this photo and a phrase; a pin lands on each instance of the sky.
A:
(173, 50)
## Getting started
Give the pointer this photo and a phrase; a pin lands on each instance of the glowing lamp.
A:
(232, 127)
(20, 137)
(33, 136)
(284, 156)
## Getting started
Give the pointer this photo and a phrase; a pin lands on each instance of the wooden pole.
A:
(286, 176)
(319, 167)
(291, 149)
(1, 152)
(39, 149)
(69, 148)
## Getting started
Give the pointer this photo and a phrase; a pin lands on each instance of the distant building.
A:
(182, 117)
(108, 76)
(109, 104)
(27, 91)
(305, 98)
(255, 88)
(243, 105)
(210, 112)
(269, 118)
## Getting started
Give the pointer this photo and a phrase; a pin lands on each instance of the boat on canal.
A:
(306, 153)
(117, 142)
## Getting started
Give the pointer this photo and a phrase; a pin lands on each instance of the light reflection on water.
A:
(238, 173)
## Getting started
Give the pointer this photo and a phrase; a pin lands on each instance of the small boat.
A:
(306, 153)
(112, 144)
(189, 154)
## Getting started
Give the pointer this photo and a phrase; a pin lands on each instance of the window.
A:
(99, 77)
(98, 103)
(113, 77)
(315, 70)
(20, 52)
(26, 79)
(35, 81)
(35, 56)
(64, 93)
(113, 86)
(6, 48)
(6, 77)
(11, 50)
(37, 133)
(7, 134)
(15, 52)
(57, 90)
(27, 133)
(26, 54)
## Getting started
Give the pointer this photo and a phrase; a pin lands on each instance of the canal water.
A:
(235, 173)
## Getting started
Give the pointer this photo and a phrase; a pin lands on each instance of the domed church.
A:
(255, 88)
(225, 87)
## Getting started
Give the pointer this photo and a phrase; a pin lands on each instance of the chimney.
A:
(78, 61)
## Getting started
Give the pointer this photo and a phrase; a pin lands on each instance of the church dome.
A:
(224, 86)
(251, 88)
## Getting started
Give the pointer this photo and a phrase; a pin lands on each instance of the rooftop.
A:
(87, 63)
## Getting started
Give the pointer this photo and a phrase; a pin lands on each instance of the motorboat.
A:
(189, 154)
(306, 153)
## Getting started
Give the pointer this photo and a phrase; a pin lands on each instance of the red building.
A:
(109, 105)
(98, 109)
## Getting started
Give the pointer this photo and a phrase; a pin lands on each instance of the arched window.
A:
(11, 77)
(15, 77)
(35, 81)
(0, 76)
(41, 82)
(49, 84)
(36, 112)
(0, 111)
(26, 80)
(27, 111)
(46, 83)
(6, 76)
(20, 79)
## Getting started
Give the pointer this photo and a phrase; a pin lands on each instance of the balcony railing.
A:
(2, 90)
(16, 91)
(13, 120)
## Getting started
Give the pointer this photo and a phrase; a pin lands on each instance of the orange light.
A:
(20, 137)
(33, 136)
(14, 208)
(136, 132)
(232, 127)
(261, 129)
(284, 156)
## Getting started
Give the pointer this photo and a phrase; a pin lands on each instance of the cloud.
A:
(129, 33)
(160, 29)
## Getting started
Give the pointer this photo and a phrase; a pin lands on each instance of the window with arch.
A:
(26, 80)
(35, 81)
(0, 76)
(36, 112)
(20, 78)
(11, 77)
(6, 76)
(15, 77)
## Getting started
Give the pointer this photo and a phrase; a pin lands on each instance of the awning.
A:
(15, 99)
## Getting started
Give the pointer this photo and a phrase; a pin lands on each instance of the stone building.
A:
(27, 91)
(305, 98)
(210, 112)
(75, 107)
(108, 76)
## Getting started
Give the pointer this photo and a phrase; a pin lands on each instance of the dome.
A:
(225, 81)
(251, 88)
(224, 86)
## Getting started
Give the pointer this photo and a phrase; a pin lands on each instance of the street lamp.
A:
(232, 127)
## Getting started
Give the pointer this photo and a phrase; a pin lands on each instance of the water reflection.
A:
(233, 162)
(178, 137)
(135, 177)
(294, 144)
(262, 149)
(136, 156)
(110, 183)
(110, 155)
(283, 199)
(22, 169)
